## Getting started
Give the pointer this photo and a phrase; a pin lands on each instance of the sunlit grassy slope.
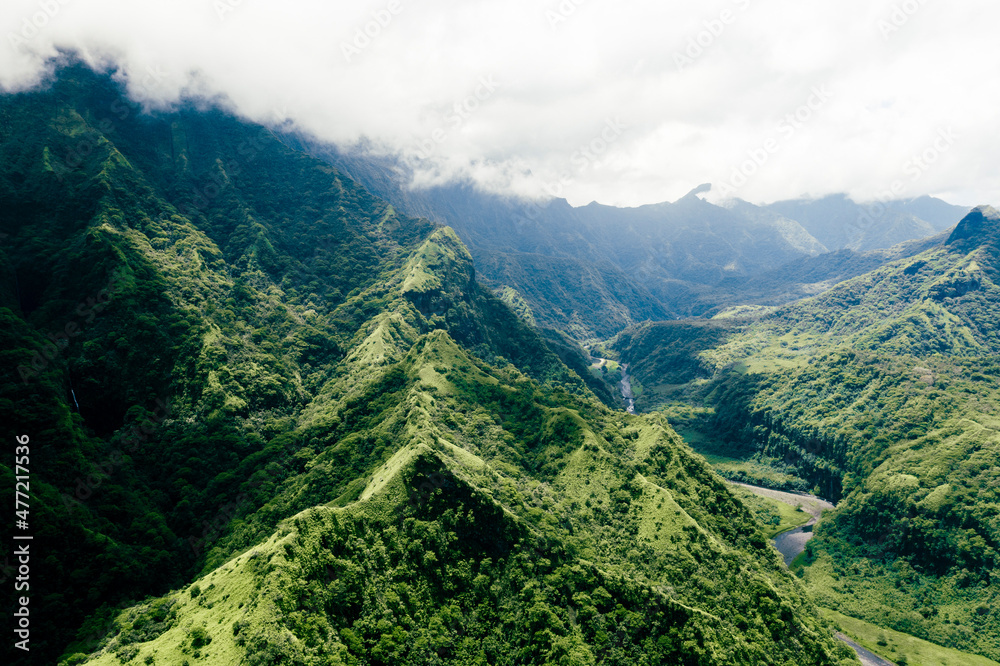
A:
(474, 529)
(899, 647)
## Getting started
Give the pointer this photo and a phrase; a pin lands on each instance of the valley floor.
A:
(873, 640)
(867, 658)
(915, 652)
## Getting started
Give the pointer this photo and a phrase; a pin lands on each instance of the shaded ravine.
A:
(625, 385)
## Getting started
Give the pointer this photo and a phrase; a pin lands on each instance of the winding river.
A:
(791, 543)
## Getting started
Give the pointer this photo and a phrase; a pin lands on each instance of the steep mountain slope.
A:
(145, 294)
(883, 392)
(540, 252)
(808, 276)
(235, 365)
(186, 271)
(942, 300)
(528, 538)
(694, 241)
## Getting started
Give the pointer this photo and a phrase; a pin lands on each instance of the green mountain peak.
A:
(980, 225)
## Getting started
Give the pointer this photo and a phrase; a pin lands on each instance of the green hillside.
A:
(883, 393)
(570, 534)
(277, 422)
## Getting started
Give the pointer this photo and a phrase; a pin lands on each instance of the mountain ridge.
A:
(982, 221)
(320, 351)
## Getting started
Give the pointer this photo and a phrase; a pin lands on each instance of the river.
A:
(625, 385)
(792, 542)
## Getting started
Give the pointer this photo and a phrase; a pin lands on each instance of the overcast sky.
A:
(624, 102)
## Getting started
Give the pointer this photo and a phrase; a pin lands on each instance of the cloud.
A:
(519, 95)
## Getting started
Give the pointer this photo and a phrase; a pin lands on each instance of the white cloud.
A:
(700, 87)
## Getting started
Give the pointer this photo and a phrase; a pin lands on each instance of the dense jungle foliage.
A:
(277, 422)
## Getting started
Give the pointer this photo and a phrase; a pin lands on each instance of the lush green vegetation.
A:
(668, 355)
(900, 648)
(603, 382)
(293, 415)
(881, 393)
(427, 569)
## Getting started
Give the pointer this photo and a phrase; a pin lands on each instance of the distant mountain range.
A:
(659, 261)
(839, 223)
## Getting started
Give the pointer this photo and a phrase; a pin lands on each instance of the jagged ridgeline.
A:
(882, 393)
(246, 379)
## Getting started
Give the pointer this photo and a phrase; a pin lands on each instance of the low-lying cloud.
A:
(625, 102)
